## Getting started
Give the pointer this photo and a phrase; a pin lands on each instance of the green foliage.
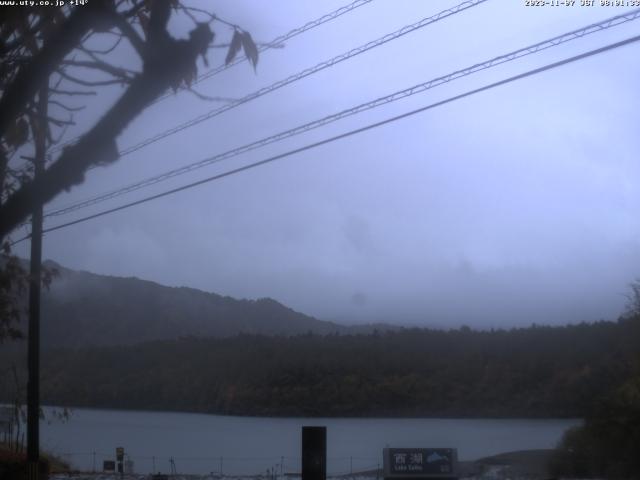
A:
(13, 285)
(608, 444)
(533, 372)
(572, 457)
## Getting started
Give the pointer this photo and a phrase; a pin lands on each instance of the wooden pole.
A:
(33, 385)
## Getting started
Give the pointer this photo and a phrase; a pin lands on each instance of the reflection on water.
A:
(202, 444)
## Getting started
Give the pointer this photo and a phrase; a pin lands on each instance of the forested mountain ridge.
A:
(532, 372)
(84, 309)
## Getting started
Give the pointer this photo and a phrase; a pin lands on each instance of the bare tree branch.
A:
(73, 92)
(128, 31)
(33, 29)
(4, 162)
(66, 107)
(207, 98)
(160, 13)
(133, 10)
(162, 70)
(258, 44)
(55, 140)
(119, 72)
(29, 79)
(92, 51)
(212, 16)
(90, 83)
(60, 123)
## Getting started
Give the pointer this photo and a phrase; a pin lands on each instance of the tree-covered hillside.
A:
(85, 309)
(533, 372)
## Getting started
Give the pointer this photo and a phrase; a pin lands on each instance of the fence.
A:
(272, 468)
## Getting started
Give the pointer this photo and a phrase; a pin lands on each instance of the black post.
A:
(120, 460)
(33, 385)
(314, 453)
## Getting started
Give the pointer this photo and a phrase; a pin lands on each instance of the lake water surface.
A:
(201, 443)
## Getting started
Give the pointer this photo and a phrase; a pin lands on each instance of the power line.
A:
(278, 41)
(306, 72)
(275, 43)
(552, 42)
(350, 133)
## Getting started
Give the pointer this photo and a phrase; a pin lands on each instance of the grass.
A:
(13, 464)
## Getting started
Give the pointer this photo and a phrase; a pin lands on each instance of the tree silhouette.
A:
(48, 51)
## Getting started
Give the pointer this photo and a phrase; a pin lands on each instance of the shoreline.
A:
(518, 464)
(72, 408)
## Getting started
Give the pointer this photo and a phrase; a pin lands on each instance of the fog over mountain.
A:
(84, 309)
(509, 207)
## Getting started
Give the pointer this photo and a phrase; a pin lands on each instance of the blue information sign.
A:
(426, 462)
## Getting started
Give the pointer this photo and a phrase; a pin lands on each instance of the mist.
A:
(510, 207)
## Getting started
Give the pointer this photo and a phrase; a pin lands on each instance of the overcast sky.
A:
(513, 206)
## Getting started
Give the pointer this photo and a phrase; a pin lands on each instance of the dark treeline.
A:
(607, 445)
(532, 372)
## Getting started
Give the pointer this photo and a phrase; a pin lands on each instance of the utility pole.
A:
(33, 385)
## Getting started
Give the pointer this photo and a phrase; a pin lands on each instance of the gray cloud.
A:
(515, 206)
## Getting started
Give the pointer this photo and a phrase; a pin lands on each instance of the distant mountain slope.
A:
(542, 372)
(84, 309)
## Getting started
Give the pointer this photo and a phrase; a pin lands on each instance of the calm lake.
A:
(246, 445)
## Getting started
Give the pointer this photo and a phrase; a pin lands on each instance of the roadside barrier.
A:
(91, 463)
